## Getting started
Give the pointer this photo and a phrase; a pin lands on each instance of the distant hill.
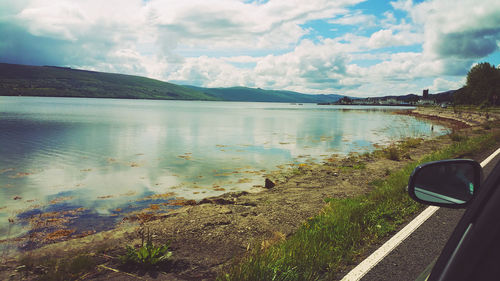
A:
(53, 81)
(260, 95)
(444, 96)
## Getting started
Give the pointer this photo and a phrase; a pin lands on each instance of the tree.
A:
(344, 100)
(482, 87)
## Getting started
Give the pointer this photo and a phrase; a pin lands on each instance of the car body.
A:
(473, 249)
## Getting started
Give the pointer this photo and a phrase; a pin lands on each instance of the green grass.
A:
(345, 228)
(454, 136)
(411, 143)
(399, 150)
(147, 255)
(355, 166)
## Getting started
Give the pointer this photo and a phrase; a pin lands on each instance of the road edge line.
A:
(367, 264)
(491, 157)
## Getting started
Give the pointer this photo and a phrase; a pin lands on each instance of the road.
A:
(422, 247)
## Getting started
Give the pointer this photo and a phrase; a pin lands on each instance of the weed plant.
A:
(147, 255)
(345, 228)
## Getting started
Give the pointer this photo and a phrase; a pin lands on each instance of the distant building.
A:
(389, 102)
(426, 102)
(425, 94)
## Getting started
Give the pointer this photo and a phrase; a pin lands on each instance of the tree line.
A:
(482, 87)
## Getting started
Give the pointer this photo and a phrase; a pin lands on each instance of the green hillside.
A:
(260, 95)
(52, 81)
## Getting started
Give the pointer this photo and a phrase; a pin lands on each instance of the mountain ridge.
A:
(56, 81)
(260, 95)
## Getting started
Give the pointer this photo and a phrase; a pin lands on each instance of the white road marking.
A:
(487, 160)
(365, 266)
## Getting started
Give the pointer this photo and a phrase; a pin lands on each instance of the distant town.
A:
(443, 99)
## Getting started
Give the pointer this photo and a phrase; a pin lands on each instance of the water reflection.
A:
(92, 157)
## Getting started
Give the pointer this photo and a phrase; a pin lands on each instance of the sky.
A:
(348, 47)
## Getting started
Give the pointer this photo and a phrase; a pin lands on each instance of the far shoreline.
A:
(201, 100)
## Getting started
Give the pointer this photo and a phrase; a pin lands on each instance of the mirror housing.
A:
(446, 183)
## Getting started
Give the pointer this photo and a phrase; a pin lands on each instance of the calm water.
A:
(95, 160)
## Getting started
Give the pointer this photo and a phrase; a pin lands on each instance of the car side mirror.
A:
(447, 183)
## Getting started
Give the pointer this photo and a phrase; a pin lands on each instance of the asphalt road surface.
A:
(422, 247)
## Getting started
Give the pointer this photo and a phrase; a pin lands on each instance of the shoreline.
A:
(205, 237)
(452, 122)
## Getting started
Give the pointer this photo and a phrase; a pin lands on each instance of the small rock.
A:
(204, 201)
(269, 184)
(335, 174)
(218, 201)
(190, 202)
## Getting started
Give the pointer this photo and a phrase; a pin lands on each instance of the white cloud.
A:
(310, 67)
(389, 19)
(324, 66)
(241, 59)
(357, 18)
(381, 38)
(209, 72)
(266, 44)
(440, 84)
(403, 5)
(386, 38)
(466, 30)
(233, 24)
(70, 20)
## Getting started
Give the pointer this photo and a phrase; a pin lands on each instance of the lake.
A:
(84, 164)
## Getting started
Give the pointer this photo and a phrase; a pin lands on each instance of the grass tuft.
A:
(454, 136)
(392, 153)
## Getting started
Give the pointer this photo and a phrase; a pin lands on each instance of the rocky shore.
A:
(208, 236)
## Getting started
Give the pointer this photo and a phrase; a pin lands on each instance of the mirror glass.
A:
(446, 183)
